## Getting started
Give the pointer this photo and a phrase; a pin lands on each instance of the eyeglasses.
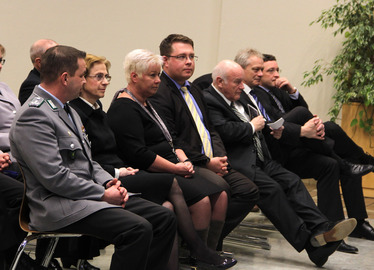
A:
(184, 57)
(100, 76)
(2, 61)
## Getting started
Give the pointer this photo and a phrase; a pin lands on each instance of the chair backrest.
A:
(24, 213)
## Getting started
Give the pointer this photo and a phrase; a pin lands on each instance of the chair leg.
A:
(20, 250)
(49, 252)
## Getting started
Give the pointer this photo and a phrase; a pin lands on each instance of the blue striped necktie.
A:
(260, 107)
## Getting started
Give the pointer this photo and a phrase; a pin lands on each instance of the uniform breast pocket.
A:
(70, 150)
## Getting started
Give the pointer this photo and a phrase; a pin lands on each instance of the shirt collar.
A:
(186, 83)
(267, 90)
(247, 89)
(222, 95)
(94, 106)
(52, 96)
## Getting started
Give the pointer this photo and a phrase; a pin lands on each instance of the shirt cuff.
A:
(295, 95)
(253, 128)
(116, 173)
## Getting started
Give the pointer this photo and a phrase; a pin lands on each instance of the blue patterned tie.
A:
(261, 108)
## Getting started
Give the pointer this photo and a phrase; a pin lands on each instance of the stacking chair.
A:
(35, 235)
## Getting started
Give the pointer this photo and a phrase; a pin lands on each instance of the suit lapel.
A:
(223, 102)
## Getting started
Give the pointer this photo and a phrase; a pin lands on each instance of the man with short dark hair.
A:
(69, 192)
(302, 148)
(274, 94)
(283, 197)
(183, 108)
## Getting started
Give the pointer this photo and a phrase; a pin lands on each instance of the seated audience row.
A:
(210, 162)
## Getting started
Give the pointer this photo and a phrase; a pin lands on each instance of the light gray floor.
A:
(281, 254)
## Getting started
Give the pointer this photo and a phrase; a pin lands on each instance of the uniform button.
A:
(72, 146)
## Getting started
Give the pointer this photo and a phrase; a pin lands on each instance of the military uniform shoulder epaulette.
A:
(36, 102)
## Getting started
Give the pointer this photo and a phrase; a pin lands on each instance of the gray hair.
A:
(242, 57)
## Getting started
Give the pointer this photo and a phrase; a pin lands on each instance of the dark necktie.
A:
(279, 104)
(261, 108)
(67, 110)
(256, 139)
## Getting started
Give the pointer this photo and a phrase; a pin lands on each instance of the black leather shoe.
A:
(54, 265)
(356, 169)
(320, 255)
(79, 264)
(224, 264)
(332, 232)
(363, 230)
(85, 265)
(344, 247)
(367, 159)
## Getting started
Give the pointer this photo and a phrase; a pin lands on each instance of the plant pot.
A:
(361, 138)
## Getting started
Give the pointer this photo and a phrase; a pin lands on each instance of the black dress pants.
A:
(287, 203)
(347, 149)
(142, 233)
(11, 192)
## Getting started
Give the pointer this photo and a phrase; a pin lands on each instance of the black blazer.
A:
(236, 134)
(103, 143)
(295, 116)
(28, 85)
(172, 107)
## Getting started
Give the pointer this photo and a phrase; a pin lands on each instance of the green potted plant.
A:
(353, 67)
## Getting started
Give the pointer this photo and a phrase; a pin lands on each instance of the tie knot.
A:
(232, 105)
(184, 89)
(66, 108)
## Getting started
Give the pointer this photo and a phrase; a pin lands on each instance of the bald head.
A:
(38, 48)
(228, 79)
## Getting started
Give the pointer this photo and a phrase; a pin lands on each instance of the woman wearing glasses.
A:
(160, 188)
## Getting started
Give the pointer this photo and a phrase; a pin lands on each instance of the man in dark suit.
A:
(69, 192)
(198, 139)
(276, 95)
(36, 51)
(291, 151)
(283, 197)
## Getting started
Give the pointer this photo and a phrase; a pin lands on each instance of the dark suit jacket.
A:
(236, 134)
(287, 102)
(28, 85)
(170, 103)
(103, 143)
(291, 132)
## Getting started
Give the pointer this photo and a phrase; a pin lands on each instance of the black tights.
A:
(187, 231)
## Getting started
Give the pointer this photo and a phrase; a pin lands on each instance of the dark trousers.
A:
(242, 193)
(322, 164)
(142, 233)
(308, 164)
(11, 192)
(347, 149)
(287, 203)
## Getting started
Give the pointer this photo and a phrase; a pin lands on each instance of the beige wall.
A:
(219, 28)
